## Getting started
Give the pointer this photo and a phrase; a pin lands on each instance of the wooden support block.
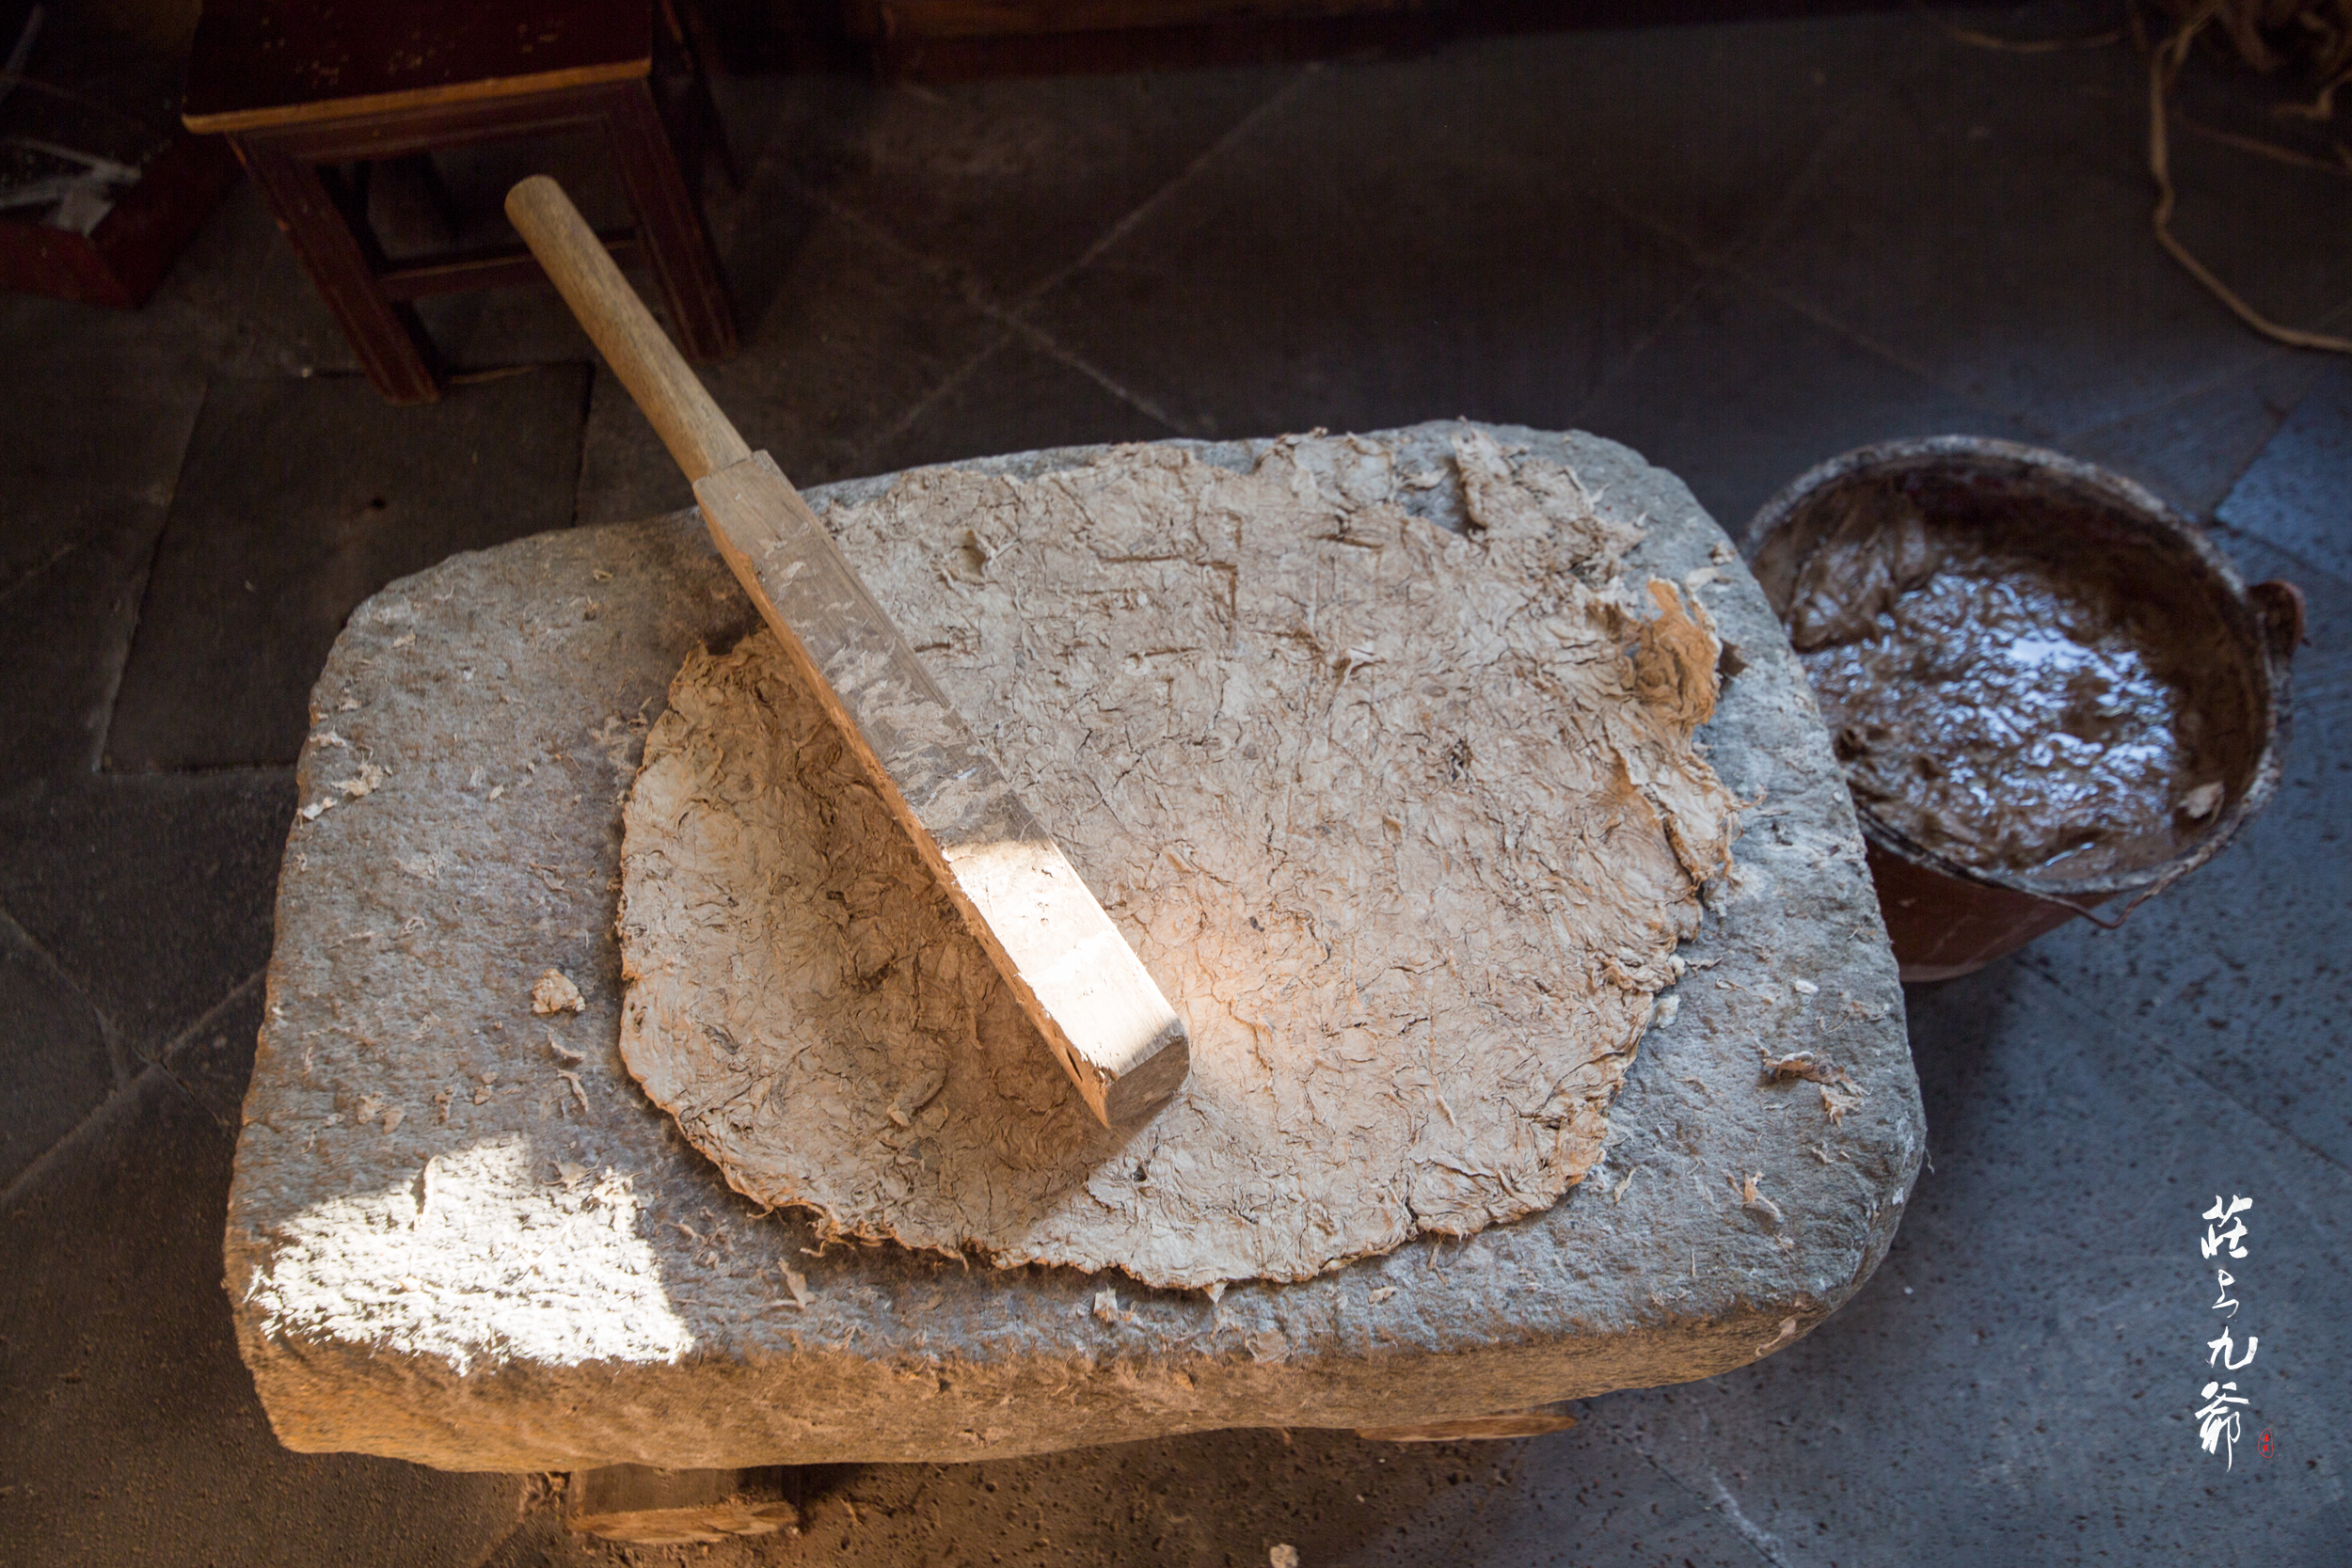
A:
(648, 1507)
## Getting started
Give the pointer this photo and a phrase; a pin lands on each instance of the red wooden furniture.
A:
(300, 88)
(119, 261)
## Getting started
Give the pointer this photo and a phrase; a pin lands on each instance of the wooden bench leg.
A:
(387, 337)
(675, 241)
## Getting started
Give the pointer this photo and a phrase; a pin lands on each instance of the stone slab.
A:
(2292, 495)
(460, 1234)
(57, 1068)
(153, 894)
(299, 497)
(130, 1431)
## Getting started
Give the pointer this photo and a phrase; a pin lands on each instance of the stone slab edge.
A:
(519, 670)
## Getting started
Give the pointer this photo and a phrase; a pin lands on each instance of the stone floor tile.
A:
(625, 472)
(1574, 1499)
(299, 498)
(2193, 449)
(212, 1058)
(1021, 397)
(132, 1432)
(240, 290)
(55, 1064)
(153, 894)
(2017, 1382)
(858, 332)
(1988, 224)
(1010, 182)
(2239, 972)
(1700, 130)
(97, 407)
(1352, 264)
(2294, 496)
(65, 632)
(1738, 394)
(2277, 235)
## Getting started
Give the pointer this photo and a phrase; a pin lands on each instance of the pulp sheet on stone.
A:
(1407, 823)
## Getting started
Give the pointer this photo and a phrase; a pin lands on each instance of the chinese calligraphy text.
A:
(2219, 1422)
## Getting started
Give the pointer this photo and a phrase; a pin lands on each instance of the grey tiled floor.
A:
(1740, 250)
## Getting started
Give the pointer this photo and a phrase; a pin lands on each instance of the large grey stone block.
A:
(459, 1233)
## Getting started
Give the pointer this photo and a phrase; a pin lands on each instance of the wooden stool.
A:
(296, 87)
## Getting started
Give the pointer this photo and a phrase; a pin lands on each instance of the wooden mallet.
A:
(1089, 996)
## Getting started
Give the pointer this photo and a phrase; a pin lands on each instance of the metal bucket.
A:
(1946, 919)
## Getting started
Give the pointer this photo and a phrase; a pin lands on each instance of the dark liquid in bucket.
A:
(2005, 707)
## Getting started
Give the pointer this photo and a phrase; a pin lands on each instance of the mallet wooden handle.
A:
(1074, 974)
(682, 413)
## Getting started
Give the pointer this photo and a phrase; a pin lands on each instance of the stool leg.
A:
(699, 59)
(674, 238)
(385, 336)
(713, 132)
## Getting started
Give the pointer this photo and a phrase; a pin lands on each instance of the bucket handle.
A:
(2130, 901)
(2280, 606)
(2088, 912)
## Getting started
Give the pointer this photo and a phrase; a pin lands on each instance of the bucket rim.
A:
(2137, 501)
